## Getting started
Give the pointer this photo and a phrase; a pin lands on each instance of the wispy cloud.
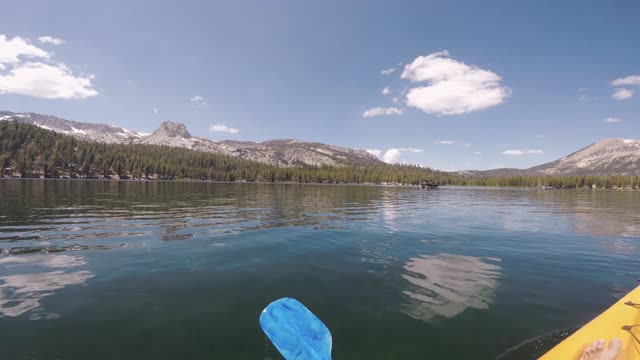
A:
(444, 142)
(410, 149)
(626, 81)
(612, 120)
(622, 94)
(453, 87)
(477, 153)
(199, 100)
(517, 152)
(386, 91)
(51, 40)
(586, 98)
(387, 71)
(223, 128)
(466, 145)
(380, 111)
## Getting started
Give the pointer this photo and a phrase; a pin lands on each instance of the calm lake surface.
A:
(125, 270)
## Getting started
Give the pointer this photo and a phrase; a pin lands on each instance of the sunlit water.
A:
(123, 270)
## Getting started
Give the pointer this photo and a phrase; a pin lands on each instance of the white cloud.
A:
(129, 82)
(375, 152)
(392, 156)
(380, 111)
(622, 94)
(51, 40)
(46, 81)
(42, 78)
(477, 153)
(155, 111)
(410, 149)
(629, 80)
(453, 86)
(223, 128)
(444, 142)
(387, 71)
(11, 50)
(467, 145)
(395, 100)
(522, 152)
(386, 91)
(612, 120)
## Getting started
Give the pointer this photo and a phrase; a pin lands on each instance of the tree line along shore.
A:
(28, 151)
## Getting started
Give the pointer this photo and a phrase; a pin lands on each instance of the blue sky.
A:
(532, 79)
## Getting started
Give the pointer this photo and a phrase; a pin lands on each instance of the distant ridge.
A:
(281, 153)
(606, 157)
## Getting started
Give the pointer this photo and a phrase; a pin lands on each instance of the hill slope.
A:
(603, 158)
(607, 157)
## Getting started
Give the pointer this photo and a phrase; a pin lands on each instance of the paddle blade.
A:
(295, 331)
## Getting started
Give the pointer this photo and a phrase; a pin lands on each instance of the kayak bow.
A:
(622, 321)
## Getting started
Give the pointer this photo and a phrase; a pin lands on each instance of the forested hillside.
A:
(30, 152)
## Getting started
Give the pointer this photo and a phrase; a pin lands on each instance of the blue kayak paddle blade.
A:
(295, 331)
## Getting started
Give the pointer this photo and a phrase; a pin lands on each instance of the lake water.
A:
(126, 270)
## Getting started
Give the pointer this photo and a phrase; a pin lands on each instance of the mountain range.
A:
(607, 157)
(282, 153)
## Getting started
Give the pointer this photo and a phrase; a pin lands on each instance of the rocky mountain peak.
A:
(171, 129)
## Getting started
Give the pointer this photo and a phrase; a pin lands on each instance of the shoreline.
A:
(149, 181)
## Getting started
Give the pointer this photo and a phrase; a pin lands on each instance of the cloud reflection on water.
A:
(447, 284)
(21, 293)
(52, 261)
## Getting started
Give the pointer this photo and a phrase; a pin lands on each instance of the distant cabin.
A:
(428, 184)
